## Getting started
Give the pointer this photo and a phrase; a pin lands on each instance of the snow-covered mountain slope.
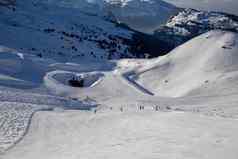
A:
(141, 15)
(63, 34)
(208, 62)
(189, 23)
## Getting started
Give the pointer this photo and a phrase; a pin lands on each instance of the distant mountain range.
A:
(141, 15)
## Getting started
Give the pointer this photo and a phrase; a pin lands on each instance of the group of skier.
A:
(156, 108)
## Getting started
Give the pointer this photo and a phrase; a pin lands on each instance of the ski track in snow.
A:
(15, 121)
(71, 135)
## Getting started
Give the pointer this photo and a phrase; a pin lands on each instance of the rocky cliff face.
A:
(189, 23)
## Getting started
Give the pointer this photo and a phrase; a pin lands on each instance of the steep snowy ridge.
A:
(208, 62)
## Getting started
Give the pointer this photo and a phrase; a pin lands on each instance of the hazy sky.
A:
(230, 6)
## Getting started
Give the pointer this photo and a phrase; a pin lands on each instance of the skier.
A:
(121, 109)
(156, 108)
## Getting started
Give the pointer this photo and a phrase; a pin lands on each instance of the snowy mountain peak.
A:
(192, 17)
(189, 23)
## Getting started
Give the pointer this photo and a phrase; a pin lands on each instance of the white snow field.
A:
(189, 97)
(73, 135)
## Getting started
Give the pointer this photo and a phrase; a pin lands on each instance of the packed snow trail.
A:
(75, 134)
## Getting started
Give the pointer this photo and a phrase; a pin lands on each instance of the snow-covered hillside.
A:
(208, 62)
(141, 15)
(64, 34)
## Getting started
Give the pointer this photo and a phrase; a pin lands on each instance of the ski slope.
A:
(72, 135)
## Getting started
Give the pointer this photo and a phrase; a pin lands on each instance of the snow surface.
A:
(72, 135)
(208, 62)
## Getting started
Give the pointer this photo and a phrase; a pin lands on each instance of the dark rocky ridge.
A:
(189, 23)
